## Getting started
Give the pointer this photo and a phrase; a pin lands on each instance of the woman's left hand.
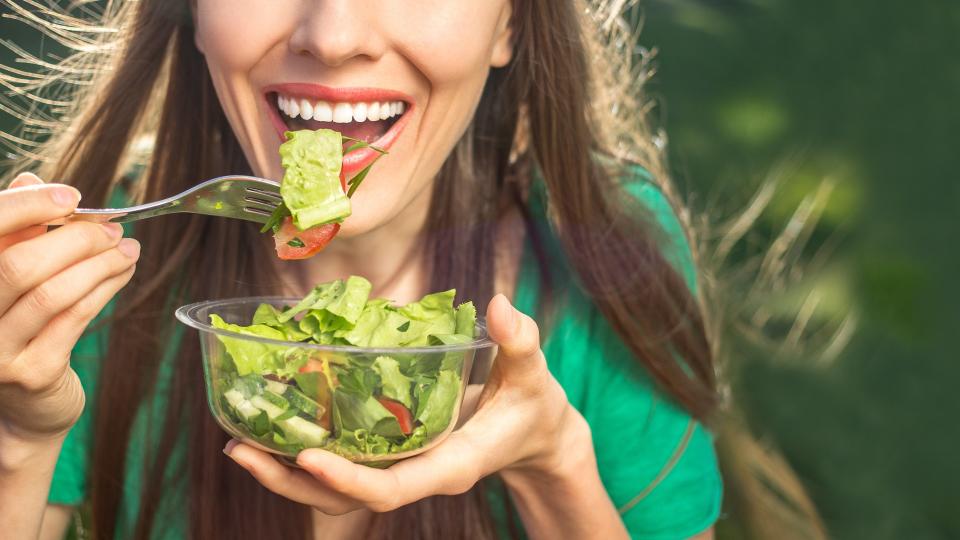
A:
(523, 427)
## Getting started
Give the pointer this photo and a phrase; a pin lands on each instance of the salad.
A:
(315, 192)
(350, 402)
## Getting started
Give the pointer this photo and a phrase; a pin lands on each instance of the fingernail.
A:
(25, 179)
(65, 196)
(129, 247)
(230, 446)
(113, 229)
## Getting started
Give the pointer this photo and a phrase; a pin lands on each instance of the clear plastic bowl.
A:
(312, 409)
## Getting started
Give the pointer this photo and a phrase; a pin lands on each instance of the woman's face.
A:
(405, 75)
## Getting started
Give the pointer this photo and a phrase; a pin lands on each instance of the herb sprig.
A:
(354, 182)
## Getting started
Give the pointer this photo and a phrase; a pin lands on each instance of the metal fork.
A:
(240, 197)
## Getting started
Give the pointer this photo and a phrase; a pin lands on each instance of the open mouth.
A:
(374, 116)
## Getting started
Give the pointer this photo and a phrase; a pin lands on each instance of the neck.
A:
(391, 256)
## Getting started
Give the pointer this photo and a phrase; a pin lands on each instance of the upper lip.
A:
(344, 94)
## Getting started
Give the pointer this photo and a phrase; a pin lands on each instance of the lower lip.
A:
(355, 161)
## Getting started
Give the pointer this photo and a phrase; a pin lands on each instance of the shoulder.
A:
(657, 463)
(643, 198)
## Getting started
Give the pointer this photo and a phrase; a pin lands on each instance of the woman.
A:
(502, 176)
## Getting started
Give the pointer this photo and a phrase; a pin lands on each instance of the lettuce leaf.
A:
(466, 319)
(311, 187)
(438, 409)
(251, 356)
(377, 326)
(351, 412)
(270, 316)
(396, 385)
(330, 307)
(432, 315)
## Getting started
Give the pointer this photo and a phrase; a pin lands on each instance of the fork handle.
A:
(95, 216)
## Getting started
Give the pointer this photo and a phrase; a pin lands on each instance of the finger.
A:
(37, 307)
(25, 179)
(288, 482)
(49, 350)
(26, 265)
(63, 331)
(451, 468)
(25, 206)
(22, 235)
(518, 338)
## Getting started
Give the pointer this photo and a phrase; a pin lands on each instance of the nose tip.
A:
(336, 31)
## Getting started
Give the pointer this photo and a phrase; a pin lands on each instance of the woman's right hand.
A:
(52, 284)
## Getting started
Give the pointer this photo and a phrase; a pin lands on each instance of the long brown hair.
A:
(550, 110)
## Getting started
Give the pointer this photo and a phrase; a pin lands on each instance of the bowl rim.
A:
(186, 314)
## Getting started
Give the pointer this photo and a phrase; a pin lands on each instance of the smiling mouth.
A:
(365, 121)
(372, 115)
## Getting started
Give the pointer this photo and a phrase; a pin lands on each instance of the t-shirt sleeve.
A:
(658, 464)
(69, 485)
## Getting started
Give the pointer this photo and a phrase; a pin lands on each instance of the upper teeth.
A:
(341, 113)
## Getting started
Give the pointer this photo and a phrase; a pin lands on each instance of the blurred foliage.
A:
(861, 94)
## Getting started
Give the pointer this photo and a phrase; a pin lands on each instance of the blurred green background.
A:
(859, 93)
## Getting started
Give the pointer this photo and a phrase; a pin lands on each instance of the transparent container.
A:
(370, 405)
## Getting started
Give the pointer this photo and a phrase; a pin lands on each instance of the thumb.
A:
(25, 179)
(516, 334)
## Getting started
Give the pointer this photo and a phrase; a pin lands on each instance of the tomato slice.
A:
(400, 411)
(306, 243)
(292, 243)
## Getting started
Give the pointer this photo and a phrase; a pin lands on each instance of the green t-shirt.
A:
(657, 464)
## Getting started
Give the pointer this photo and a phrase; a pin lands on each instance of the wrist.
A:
(18, 453)
(565, 460)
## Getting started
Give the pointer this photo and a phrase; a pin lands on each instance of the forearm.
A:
(565, 501)
(26, 470)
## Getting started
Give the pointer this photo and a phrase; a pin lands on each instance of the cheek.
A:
(235, 34)
(450, 42)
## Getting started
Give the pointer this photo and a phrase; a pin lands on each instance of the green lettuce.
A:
(311, 187)
(331, 306)
(438, 409)
(293, 385)
(351, 412)
(378, 326)
(396, 385)
(433, 314)
(251, 356)
(270, 316)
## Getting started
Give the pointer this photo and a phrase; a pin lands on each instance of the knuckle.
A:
(13, 273)
(335, 509)
(85, 308)
(43, 299)
(90, 235)
(383, 506)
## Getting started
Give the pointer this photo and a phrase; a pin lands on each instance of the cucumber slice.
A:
(304, 431)
(301, 401)
(288, 413)
(249, 385)
(234, 397)
(276, 399)
(272, 410)
(276, 387)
